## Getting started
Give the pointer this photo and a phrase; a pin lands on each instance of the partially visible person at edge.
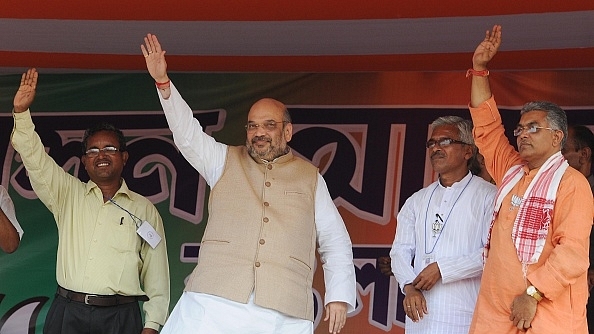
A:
(267, 209)
(578, 151)
(442, 229)
(10, 230)
(103, 266)
(476, 165)
(535, 276)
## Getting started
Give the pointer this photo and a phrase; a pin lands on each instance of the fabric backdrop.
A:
(365, 131)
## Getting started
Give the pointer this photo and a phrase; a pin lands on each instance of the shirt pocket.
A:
(125, 237)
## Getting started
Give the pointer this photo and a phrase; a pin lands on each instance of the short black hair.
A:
(104, 126)
(583, 137)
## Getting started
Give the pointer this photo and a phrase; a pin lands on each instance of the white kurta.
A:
(208, 157)
(465, 211)
(8, 208)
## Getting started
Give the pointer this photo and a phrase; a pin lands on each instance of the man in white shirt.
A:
(443, 229)
(10, 230)
(267, 210)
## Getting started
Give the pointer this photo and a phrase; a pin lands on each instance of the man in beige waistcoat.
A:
(267, 210)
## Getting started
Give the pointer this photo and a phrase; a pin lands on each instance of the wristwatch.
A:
(534, 293)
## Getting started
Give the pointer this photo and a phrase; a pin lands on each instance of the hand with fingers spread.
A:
(487, 49)
(427, 278)
(155, 58)
(26, 93)
(336, 316)
(414, 303)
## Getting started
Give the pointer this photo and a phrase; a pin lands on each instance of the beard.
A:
(269, 153)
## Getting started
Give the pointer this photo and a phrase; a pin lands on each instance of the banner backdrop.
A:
(365, 132)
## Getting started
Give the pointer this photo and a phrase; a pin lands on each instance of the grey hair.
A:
(287, 115)
(555, 115)
(464, 127)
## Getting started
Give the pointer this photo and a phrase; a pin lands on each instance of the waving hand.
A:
(26, 93)
(487, 49)
(155, 58)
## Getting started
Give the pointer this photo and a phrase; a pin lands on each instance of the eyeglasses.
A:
(267, 126)
(108, 150)
(529, 129)
(443, 142)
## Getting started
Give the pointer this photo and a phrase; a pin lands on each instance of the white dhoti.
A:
(203, 313)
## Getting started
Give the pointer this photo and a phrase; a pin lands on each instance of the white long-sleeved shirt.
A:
(466, 209)
(208, 157)
(8, 208)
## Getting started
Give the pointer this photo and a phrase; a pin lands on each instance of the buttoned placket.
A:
(265, 204)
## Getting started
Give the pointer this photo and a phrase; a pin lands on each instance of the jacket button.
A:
(262, 241)
(257, 264)
(266, 220)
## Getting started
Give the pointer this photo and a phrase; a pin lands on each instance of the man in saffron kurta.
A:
(548, 295)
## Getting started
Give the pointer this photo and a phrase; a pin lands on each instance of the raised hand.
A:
(26, 93)
(487, 49)
(155, 58)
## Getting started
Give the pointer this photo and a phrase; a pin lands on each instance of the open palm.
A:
(155, 58)
(26, 93)
(487, 48)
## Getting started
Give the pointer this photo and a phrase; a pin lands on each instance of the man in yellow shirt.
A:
(103, 266)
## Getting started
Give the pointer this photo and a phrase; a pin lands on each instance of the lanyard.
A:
(447, 217)
(135, 219)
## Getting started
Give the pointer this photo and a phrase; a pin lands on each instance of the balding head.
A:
(269, 129)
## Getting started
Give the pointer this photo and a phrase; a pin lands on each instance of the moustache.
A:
(261, 138)
(437, 154)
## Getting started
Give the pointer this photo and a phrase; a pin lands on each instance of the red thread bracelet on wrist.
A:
(162, 84)
(474, 72)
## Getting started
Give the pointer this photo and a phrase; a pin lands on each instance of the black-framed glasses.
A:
(93, 152)
(532, 128)
(268, 125)
(443, 142)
